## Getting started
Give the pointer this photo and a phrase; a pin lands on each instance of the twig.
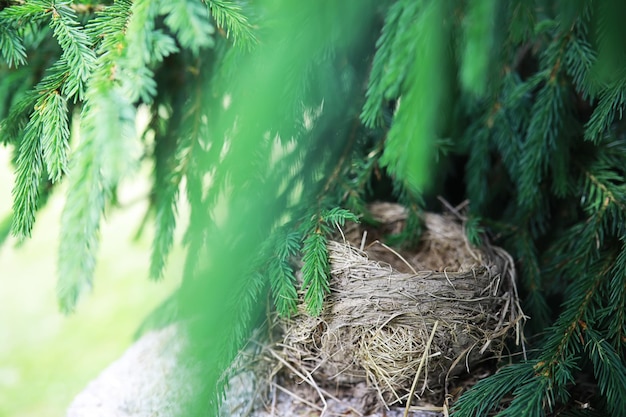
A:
(397, 254)
(430, 408)
(419, 369)
(456, 361)
(307, 379)
(297, 397)
(448, 279)
(454, 210)
(274, 398)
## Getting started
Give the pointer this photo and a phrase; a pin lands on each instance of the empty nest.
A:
(404, 323)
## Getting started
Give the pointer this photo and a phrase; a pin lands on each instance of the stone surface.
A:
(141, 383)
(147, 381)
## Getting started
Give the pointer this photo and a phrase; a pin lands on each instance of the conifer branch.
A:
(27, 179)
(530, 399)
(77, 52)
(316, 266)
(611, 103)
(599, 192)
(13, 125)
(385, 70)
(408, 149)
(55, 134)
(189, 19)
(282, 276)
(488, 393)
(580, 59)
(479, 25)
(194, 192)
(142, 46)
(80, 224)
(165, 218)
(170, 168)
(609, 370)
(229, 15)
(106, 154)
(106, 30)
(527, 253)
(11, 45)
(315, 271)
(478, 166)
(27, 11)
(616, 315)
(44, 141)
(543, 132)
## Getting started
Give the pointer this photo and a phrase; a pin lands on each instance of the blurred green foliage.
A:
(275, 118)
(46, 357)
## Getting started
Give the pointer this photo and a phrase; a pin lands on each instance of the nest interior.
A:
(385, 302)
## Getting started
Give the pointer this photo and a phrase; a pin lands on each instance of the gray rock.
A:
(148, 381)
(144, 382)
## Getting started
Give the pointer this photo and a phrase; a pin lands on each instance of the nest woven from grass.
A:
(377, 323)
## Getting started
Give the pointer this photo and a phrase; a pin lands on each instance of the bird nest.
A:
(404, 322)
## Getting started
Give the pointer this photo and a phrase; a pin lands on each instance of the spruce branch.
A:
(103, 158)
(478, 166)
(566, 338)
(338, 216)
(5, 228)
(611, 104)
(488, 393)
(27, 179)
(408, 148)
(82, 8)
(383, 75)
(43, 141)
(580, 59)
(281, 274)
(616, 314)
(479, 27)
(76, 47)
(13, 125)
(316, 266)
(600, 192)
(522, 21)
(530, 399)
(189, 20)
(608, 22)
(165, 219)
(231, 16)
(142, 46)
(609, 370)
(11, 45)
(55, 134)
(170, 168)
(80, 224)
(107, 153)
(106, 29)
(315, 272)
(195, 237)
(527, 253)
(27, 11)
(544, 129)
(509, 117)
